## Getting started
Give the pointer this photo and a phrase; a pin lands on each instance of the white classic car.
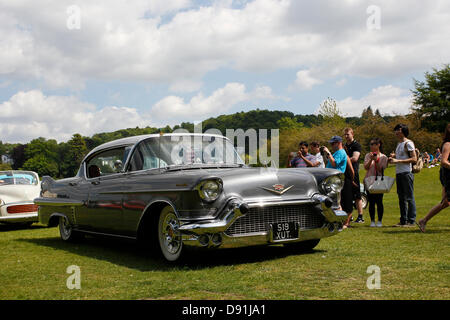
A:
(18, 189)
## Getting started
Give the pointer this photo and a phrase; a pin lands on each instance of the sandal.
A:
(421, 225)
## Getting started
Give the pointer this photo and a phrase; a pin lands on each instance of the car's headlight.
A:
(209, 190)
(332, 185)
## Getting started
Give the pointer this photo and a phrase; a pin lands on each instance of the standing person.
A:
(339, 160)
(438, 156)
(304, 158)
(353, 149)
(444, 177)
(315, 151)
(403, 157)
(375, 162)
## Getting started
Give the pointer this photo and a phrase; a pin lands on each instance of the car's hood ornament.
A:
(278, 189)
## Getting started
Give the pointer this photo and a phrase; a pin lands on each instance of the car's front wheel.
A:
(169, 238)
(303, 246)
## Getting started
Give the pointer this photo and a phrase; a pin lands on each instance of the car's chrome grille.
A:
(257, 220)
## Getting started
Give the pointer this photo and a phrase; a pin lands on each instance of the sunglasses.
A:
(373, 143)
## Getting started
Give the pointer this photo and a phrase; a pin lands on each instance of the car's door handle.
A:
(73, 184)
(95, 182)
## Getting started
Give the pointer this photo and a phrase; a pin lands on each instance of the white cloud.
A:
(176, 42)
(223, 99)
(31, 114)
(387, 99)
(305, 81)
(28, 115)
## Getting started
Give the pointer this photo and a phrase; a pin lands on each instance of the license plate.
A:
(284, 231)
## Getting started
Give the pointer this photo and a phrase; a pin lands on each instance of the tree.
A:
(42, 166)
(432, 99)
(18, 156)
(367, 113)
(287, 123)
(330, 112)
(42, 157)
(72, 153)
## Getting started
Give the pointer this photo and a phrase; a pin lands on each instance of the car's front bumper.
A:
(212, 233)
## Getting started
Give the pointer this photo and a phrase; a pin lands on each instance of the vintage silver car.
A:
(17, 192)
(172, 191)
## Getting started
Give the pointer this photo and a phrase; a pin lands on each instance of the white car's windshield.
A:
(184, 150)
(17, 177)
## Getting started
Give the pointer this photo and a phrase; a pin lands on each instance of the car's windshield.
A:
(170, 151)
(17, 177)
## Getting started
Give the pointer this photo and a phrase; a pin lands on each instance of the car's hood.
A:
(254, 184)
(18, 193)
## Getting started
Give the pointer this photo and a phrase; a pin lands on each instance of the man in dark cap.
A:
(338, 160)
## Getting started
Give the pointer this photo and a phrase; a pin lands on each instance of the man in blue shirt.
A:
(338, 160)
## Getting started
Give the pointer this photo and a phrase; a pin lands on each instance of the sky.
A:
(79, 66)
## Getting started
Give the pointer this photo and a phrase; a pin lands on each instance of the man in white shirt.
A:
(403, 158)
(315, 151)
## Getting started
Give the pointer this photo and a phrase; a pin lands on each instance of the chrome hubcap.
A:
(170, 235)
(65, 227)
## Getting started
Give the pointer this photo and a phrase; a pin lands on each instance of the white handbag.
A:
(379, 184)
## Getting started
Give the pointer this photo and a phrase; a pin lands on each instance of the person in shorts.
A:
(444, 177)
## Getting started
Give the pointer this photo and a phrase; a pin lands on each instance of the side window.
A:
(145, 157)
(107, 162)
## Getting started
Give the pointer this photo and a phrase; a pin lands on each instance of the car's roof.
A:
(129, 141)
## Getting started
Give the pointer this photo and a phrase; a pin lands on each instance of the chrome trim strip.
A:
(279, 203)
(146, 191)
(16, 216)
(58, 203)
(105, 234)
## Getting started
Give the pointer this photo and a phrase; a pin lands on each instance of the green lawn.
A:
(413, 265)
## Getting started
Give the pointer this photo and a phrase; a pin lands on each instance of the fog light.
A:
(216, 239)
(203, 239)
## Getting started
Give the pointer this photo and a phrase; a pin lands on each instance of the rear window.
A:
(20, 178)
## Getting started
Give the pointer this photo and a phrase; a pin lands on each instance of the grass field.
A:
(413, 265)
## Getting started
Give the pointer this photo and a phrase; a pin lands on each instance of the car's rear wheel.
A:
(66, 230)
(364, 201)
(303, 246)
(169, 238)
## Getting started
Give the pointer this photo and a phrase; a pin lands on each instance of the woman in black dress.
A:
(444, 175)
